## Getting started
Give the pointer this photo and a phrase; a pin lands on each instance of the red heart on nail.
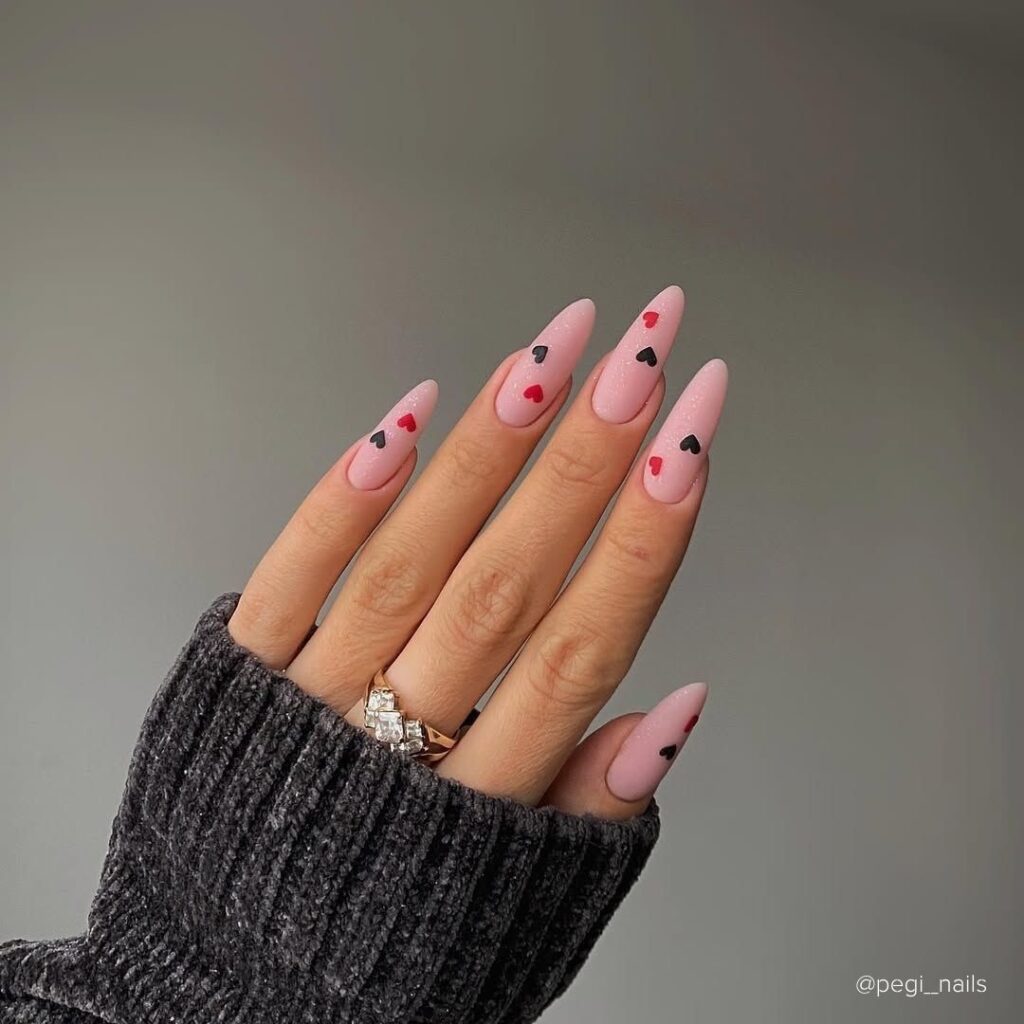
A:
(655, 463)
(650, 318)
(534, 392)
(407, 421)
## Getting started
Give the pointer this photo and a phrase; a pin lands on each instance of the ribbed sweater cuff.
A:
(271, 863)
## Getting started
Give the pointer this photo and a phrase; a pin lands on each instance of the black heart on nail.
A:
(646, 355)
(690, 444)
(377, 439)
(668, 752)
(539, 352)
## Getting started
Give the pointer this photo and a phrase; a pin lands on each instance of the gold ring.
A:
(386, 722)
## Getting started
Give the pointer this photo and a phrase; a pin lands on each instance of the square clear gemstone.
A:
(381, 700)
(413, 736)
(389, 727)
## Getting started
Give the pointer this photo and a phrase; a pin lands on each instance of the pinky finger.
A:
(614, 772)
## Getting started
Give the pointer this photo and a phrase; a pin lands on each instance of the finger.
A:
(284, 595)
(406, 562)
(572, 663)
(511, 574)
(581, 651)
(615, 771)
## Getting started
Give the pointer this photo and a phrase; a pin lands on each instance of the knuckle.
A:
(261, 621)
(320, 523)
(631, 554)
(492, 605)
(582, 466)
(565, 672)
(468, 461)
(389, 583)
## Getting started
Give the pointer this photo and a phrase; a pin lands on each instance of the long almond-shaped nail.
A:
(651, 748)
(628, 377)
(384, 450)
(681, 447)
(538, 375)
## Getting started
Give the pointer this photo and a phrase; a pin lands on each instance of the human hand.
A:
(446, 607)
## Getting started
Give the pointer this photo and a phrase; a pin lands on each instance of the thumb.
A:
(614, 772)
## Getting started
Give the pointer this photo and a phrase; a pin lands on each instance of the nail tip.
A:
(718, 366)
(583, 302)
(672, 290)
(695, 693)
(584, 308)
(426, 394)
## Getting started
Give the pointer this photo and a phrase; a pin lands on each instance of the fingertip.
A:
(580, 786)
(651, 748)
(381, 453)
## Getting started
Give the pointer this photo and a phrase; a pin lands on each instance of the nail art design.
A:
(652, 747)
(630, 373)
(540, 372)
(377, 461)
(680, 449)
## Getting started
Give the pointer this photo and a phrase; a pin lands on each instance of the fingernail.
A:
(538, 375)
(388, 445)
(633, 368)
(652, 747)
(681, 447)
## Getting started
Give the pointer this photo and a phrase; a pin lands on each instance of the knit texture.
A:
(272, 864)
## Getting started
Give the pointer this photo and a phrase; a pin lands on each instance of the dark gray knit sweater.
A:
(271, 864)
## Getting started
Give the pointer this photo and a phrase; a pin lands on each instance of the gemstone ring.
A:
(387, 723)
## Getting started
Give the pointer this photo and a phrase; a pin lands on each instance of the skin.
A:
(446, 603)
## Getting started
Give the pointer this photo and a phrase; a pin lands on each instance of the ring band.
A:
(386, 722)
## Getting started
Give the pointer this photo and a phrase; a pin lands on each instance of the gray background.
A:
(231, 234)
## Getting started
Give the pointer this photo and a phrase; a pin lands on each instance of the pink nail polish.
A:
(651, 748)
(633, 368)
(387, 447)
(681, 447)
(540, 372)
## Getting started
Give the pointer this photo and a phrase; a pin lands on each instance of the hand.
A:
(446, 609)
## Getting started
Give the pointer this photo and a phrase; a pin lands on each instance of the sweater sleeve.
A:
(272, 864)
